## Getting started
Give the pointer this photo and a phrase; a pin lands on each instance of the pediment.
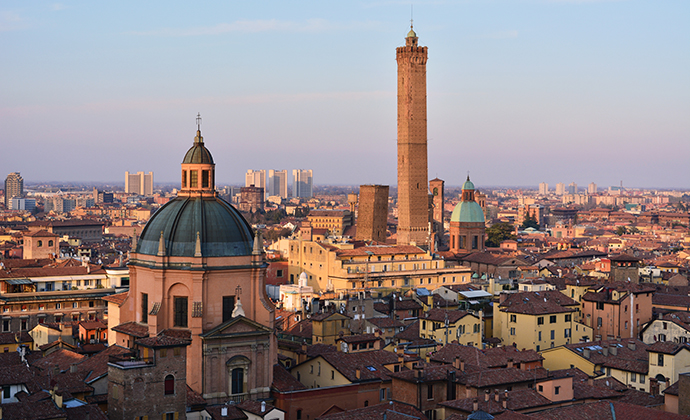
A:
(239, 326)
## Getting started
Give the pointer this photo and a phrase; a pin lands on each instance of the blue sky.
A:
(519, 91)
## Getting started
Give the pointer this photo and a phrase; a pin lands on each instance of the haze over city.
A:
(519, 92)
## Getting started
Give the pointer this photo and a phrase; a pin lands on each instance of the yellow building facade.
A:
(462, 326)
(342, 267)
(538, 320)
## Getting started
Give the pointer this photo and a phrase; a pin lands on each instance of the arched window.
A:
(169, 385)
(50, 243)
(238, 370)
(237, 384)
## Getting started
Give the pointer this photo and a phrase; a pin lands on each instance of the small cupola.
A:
(198, 169)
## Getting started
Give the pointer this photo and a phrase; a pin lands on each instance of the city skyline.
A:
(519, 92)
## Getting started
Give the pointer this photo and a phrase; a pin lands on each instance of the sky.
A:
(518, 91)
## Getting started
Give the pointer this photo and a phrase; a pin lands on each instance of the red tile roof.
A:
(117, 298)
(605, 410)
(283, 381)
(538, 303)
(391, 410)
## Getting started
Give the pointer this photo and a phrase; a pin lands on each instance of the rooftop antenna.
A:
(198, 121)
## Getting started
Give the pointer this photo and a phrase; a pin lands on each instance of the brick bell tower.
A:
(413, 193)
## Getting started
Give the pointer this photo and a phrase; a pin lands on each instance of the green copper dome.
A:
(467, 211)
(468, 185)
(198, 153)
(223, 232)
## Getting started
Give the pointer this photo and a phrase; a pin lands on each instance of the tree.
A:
(530, 222)
(498, 233)
(621, 230)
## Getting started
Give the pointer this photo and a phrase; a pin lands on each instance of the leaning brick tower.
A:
(413, 193)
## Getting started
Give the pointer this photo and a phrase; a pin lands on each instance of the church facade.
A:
(197, 272)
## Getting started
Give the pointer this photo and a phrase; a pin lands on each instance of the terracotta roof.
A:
(645, 399)
(132, 328)
(233, 413)
(358, 338)
(283, 381)
(370, 364)
(631, 360)
(517, 400)
(320, 348)
(672, 390)
(194, 398)
(14, 338)
(40, 234)
(117, 298)
(386, 322)
(39, 410)
(392, 410)
(501, 376)
(254, 407)
(667, 347)
(96, 366)
(62, 358)
(89, 411)
(538, 303)
(162, 340)
(439, 315)
(379, 250)
(605, 410)
(93, 325)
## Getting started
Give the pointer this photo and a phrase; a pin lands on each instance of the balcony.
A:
(130, 361)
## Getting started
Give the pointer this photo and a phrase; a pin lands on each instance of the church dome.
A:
(198, 153)
(468, 185)
(222, 230)
(468, 212)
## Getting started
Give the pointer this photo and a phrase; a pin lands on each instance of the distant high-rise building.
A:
(302, 183)
(255, 178)
(592, 188)
(572, 188)
(14, 187)
(413, 190)
(139, 183)
(560, 188)
(28, 204)
(372, 214)
(278, 183)
(543, 188)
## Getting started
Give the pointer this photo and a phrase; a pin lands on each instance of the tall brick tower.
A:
(413, 198)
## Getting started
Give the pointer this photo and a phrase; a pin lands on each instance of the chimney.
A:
(462, 365)
(358, 373)
(510, 362)
(590, 381)
(605, 351)
(585, 353)
(439, 347)
(631, 345)
(263, 406)
(505, 402)
(475, 405)
(73, 368)
(420, 373)
(496, 397)
(57, 397)
(486, 395)
(456, 362)
(304, 347)
(428, 358)
(224, 411)
(613, 350)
